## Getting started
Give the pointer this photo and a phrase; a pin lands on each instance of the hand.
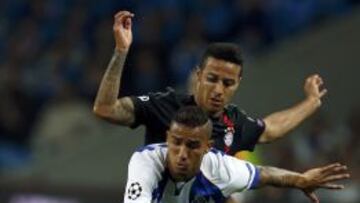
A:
(322, 177)
(312, 88)
(122, 30)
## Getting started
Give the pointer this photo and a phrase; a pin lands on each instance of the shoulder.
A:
(217, 163)
(212, 161)
(228, 172)
(240, 116)
(169, 95)
(168, 92)
(153, 155)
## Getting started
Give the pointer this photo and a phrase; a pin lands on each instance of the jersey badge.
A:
(134, 191)
(229, 136)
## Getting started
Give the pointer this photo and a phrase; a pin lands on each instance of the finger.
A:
(318, 81)
(121, 18)
(330, 166)
(117, 20)
(334, 170)
(323, 92)
(336, 177)
(312, 197)
(341, 168)
(332, 186)
(124, 21)
(309, 79)
(127, 23)
(120, 13)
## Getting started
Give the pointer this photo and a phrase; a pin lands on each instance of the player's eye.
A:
(193, 144)
(228, 82)
(176, 141)
(212, 78)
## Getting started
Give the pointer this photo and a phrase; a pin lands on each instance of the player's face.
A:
(216, 84)
(186, 148)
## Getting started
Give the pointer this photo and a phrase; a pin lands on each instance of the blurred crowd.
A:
(54, 52)
(322, 141)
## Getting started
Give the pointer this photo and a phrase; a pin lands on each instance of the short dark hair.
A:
(191, 116)
(225, 51)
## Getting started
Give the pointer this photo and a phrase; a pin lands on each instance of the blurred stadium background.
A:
(53, 54)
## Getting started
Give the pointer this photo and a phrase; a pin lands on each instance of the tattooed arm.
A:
(308, 181)
(107, 104)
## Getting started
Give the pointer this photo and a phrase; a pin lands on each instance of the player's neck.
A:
(213, 115)
(178, 179)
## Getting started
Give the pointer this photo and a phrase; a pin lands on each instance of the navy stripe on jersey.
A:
(203, 189)
(256, 176)
(256, 179)
(157, 194)
(216, 151)
(150, 147)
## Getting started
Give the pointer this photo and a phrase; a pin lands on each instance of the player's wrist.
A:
(301, 182)
(314, 101)
(121, 50)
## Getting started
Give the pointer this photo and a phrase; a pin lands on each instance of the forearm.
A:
(110, 83)
(280, 123)
(279, 177)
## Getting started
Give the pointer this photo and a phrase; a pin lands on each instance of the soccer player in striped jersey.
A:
(186, 169)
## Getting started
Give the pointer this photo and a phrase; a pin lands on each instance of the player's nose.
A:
(219, 88)
(183, 153)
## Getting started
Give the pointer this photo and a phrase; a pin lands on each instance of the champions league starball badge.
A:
(134, 191)
(229, 136)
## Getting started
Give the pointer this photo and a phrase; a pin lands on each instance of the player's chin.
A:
(214, 108)
(181, 176)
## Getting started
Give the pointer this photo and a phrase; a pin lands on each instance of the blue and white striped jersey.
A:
(220, 175)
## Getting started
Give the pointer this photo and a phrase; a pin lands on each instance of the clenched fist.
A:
(313, 88)
(122, 30)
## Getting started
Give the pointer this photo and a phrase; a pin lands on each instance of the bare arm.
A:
(107, 105)
(280, 123)
(308, 182)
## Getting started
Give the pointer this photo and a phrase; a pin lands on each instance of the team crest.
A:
(229, 136)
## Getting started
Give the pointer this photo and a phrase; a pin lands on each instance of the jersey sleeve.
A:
(141, 180)
(149, 108)
(250, 130)
(235, 175)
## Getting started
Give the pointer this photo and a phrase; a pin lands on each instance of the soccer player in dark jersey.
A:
(218, 77)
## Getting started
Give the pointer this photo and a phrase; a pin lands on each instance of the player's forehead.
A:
(221, 67)
(181, 131)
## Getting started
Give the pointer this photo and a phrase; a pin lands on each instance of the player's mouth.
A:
(182, 167)
(216, 102)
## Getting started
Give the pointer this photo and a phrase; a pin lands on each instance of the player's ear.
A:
(192, 82)
(198, 72)
(167, 136)
(240, 78)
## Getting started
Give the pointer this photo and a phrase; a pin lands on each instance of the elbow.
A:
(270, 134)
(267, 137)
(101, 111)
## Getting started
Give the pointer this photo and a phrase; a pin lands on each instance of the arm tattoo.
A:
(110, 84)
(278, 177)
(121, 110)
